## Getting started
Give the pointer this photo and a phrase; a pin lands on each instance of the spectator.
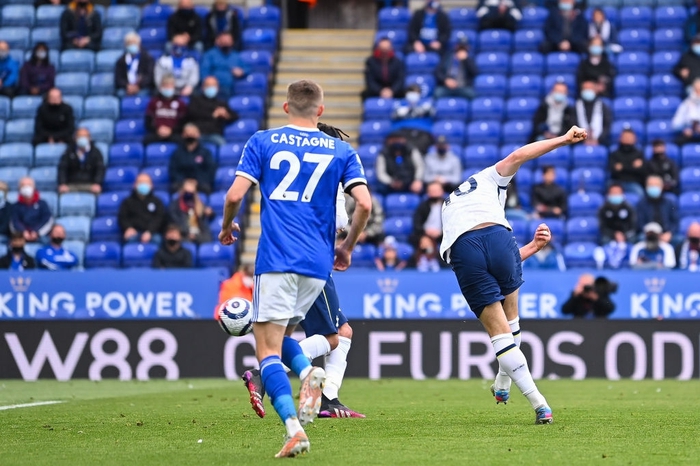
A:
(37, 75)
(443, 166)
(626, 165)
(171, 254)
(429, 29)
(661, 165)
(498, 14)
(384, 72)
(692, 25)
(142, 214)
(597, 68)
(240, 285)
(616, 253)
(426, 258)
(686, 120)
(164, 114)
(688, 67)
(224, 63)
(81, 26)
(16, 258)
(5, 212)
(548, 198)
(388, 259)
(414, 113)
(655, 208)
(188, 212)
(31, 216)
(594, 115)
(651, 253)
(399, 167)
(590, 298)
(222, 18)
(192, 160)
(689, 251)
(427, 219)
(210, 113)
(554, 116)
(187, 23)
(602, 27)
(616, 217)
(82, 166)
(9, 71)
(181, 66)
(455, 75)
(547, 258)
(54, 120)
(374, 231)
(565, 30)
(54, 256)
(133, 72)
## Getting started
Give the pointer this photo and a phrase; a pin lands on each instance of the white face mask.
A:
(27, 191)
(412, 97)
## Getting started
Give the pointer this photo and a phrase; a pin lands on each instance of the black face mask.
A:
(694, 240)
(58, 240)
(225, 50)
(441, 150)
(17, 249)
(626, 147)
(188, 197)
(172, 242)
(397, 147)
(54, 106)
(659, 155)
(82, 4)
(435, 199)
(190, 140)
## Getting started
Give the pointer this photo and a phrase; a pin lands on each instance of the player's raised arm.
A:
(363, 207)
(510, 165)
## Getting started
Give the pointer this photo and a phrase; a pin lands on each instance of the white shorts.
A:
(284, 296)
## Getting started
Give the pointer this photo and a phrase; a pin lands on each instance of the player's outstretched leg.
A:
(312, 379)
(501, 386)
(256, 390)
(336, 363)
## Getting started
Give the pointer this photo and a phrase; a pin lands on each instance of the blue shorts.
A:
(487, 265)
(325, 316)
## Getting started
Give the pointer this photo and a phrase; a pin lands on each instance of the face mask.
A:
(82, 4)
(133, 49)
(559, 97)
(27, 191)
(412, 97)
(659, 155)
(626, 147)
(17, 249)
(427, 250)
(167, 93)
(172, 242)
(190, 140)
(694, 240)
(58, 240)
(178, 50)
(652, 238)
(616, 199)
(41, 54)
(4, 55)
(396, 147)
(226, 49)
(588, 95)
(435, 199)
(441, 150)
(595, 50)
(696, 49)
(654, 191)
(566, 6)
(211, 91)
(82, 142)
(143, 189)
(188, 197)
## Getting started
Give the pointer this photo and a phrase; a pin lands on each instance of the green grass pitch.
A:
(408, 422)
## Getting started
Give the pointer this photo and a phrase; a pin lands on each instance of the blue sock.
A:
(293, 357)
(277, 386)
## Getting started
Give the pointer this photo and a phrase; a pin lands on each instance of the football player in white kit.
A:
(479, 245)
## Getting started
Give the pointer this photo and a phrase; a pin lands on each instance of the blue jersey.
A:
(298, 170)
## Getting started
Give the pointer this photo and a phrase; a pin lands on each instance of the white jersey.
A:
(341, 215)
(480, 199)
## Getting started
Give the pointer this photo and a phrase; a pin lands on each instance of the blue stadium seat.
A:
(585, 204)
(521, 108)
(421, 63)
(76, 103)
(451, 108)
(102, 106)
(78, 249)
(240, 130)
(363, 255)
(525, 85)
(495, 40)
(398, 37)
(155, 15)
(159, 153)
(16, 37)
(46, 178)
(560, 157)
(686, 221)
(664, 61)
(18, 154)
(51, 198)
(138, 255)
(425, 81)
(669, 39)
(517, 131)
(484, 132)
(51, 35)
(2, 129)
(48, 15)
(106, 59)
(580, 254)
(462, 36)
(216, 201)
(588, 179)
(533, 17)
(368, 153)
(230, 154)
(133, 106)
(633, 62)
(18, 15)
(663, 107)
(371, 177)
(248, 107)
(630, 108)
(562, 62)
(556, 225)
(589, 156)
(395, 18)
(113, 38)
(569, 79)
(257, 61)
(636, 17)
(660, 129)
(108, 203)
(529, 63)
(20, 130)
(635, 125)
(631, 85)
(488, 108)
(264, 17)
(5, 104)
(161, 179)
(527, 40)
(670, 16)
(124, 16)
(690, 179)
(519, 227)
(691, 155)
(479, 156)
(224, 177)
(129, 154)
(492, 63)
(48, 154)
(101, 129)
(77, 227)
(73, 83)
(463, 18)
(490, 85)
(689, 204)
(77, 61)
(215, 255)
(374, 131)
(76, 204)
(672, 151)
(635, 40)
(12, 175)
(397, 205)
(453, 130)
(129, 130)
(398, 227)
(25, 106)
(260, 39)
(102, 83)
(561, 176)
(583, 229)
(376, 108)
(665, 84)
(153, 37)
(253, 84)
(103, 254)
(120, 179)
(525, 177)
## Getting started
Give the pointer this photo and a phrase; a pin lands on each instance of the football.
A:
(235, 316)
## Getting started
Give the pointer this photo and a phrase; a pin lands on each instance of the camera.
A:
(603, 286)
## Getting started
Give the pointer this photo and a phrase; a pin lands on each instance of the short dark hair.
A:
(658, 142)
(547, 168)
(172, 228)
(628, 130)
(17, 235)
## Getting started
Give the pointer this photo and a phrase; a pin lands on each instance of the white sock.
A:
(315, 346)
(336, 363)
(304, 372)
(293, 426)
(513, 362)
(503, 381)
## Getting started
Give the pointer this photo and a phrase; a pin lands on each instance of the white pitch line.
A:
(29, 405)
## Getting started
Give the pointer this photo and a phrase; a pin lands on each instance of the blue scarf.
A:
(429, 31)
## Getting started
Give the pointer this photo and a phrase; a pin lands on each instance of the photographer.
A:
(591, 298)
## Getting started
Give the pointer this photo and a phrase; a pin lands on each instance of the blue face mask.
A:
(588, 95)
(566, 6)
(82, 142)
(696, 49)
(167, 93)
(616, 199)
(654, 191)
(211, 91)
(595, 50)
(133, 49)
(143, 189)
(559, 97)
(178, 50)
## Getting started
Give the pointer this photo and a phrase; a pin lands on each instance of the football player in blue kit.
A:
(298, 169)
(479, 245)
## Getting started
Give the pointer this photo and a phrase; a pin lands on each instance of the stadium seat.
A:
(663, 107)
(120, 178)
(397, 205)
(77, 61)
(113, 38)
(215, 255)
(569, 79)
(670, 16)
(105, 229)
(126, 154)
(230, 154)
(102, 84)
(484, 132)
(73, 83)
(665, 85)
(527, 40)
(462, 36)
(588, 179)
(690, 155)
(580, 254)
(490, 85)
(636, 17)
(421, 63)
(395, 18)
(257, 61)
(46, 178)
(78, 249)
(224, 177)
(374, 132)
(155, 15)
(48, 15)
(108, 203)
(525, 85)
(562, 62)
(50, 35)
(76, 204)
(18, 154)
(453, 130)
(686, 221)
(376, 108)
(20, 130)
(25, 106)
(248, 107)
(634, 62)
(488, 108)
(690, 179)
(519, 227)
(102, 106)
(76, 102)
(138, 255)
(398, 227)
(660, 129)
(264, 17)
(241, 130)
(663, 62)
(106, 59)
(585, 204)
(253, 84)
(689, 204)
(561, 175)
(635, 40)
(159, 153)
(493, 63)
(521, 108)
(533, 17)
(589, 156)
(133, 107)
(629, 108)
(363, 255)
(584, 229)
(631, 85)
(528, 63)
(495, 40)
(123, 16)
(463, 18)
(77, 227)
(669, 39)
(5, 105)
(48, 154)
(451, 108)
(153, 37)
(101, 129)
(425, 81)
(260, 39)
(103, 254)
(129, 130)
(159, 176)
(398, 37)
(368, 154)
(16, 37)
(517, 131)
(479, 156)
(18, 16)
(635, 125)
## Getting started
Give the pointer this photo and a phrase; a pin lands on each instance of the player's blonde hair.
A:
(303, 98)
